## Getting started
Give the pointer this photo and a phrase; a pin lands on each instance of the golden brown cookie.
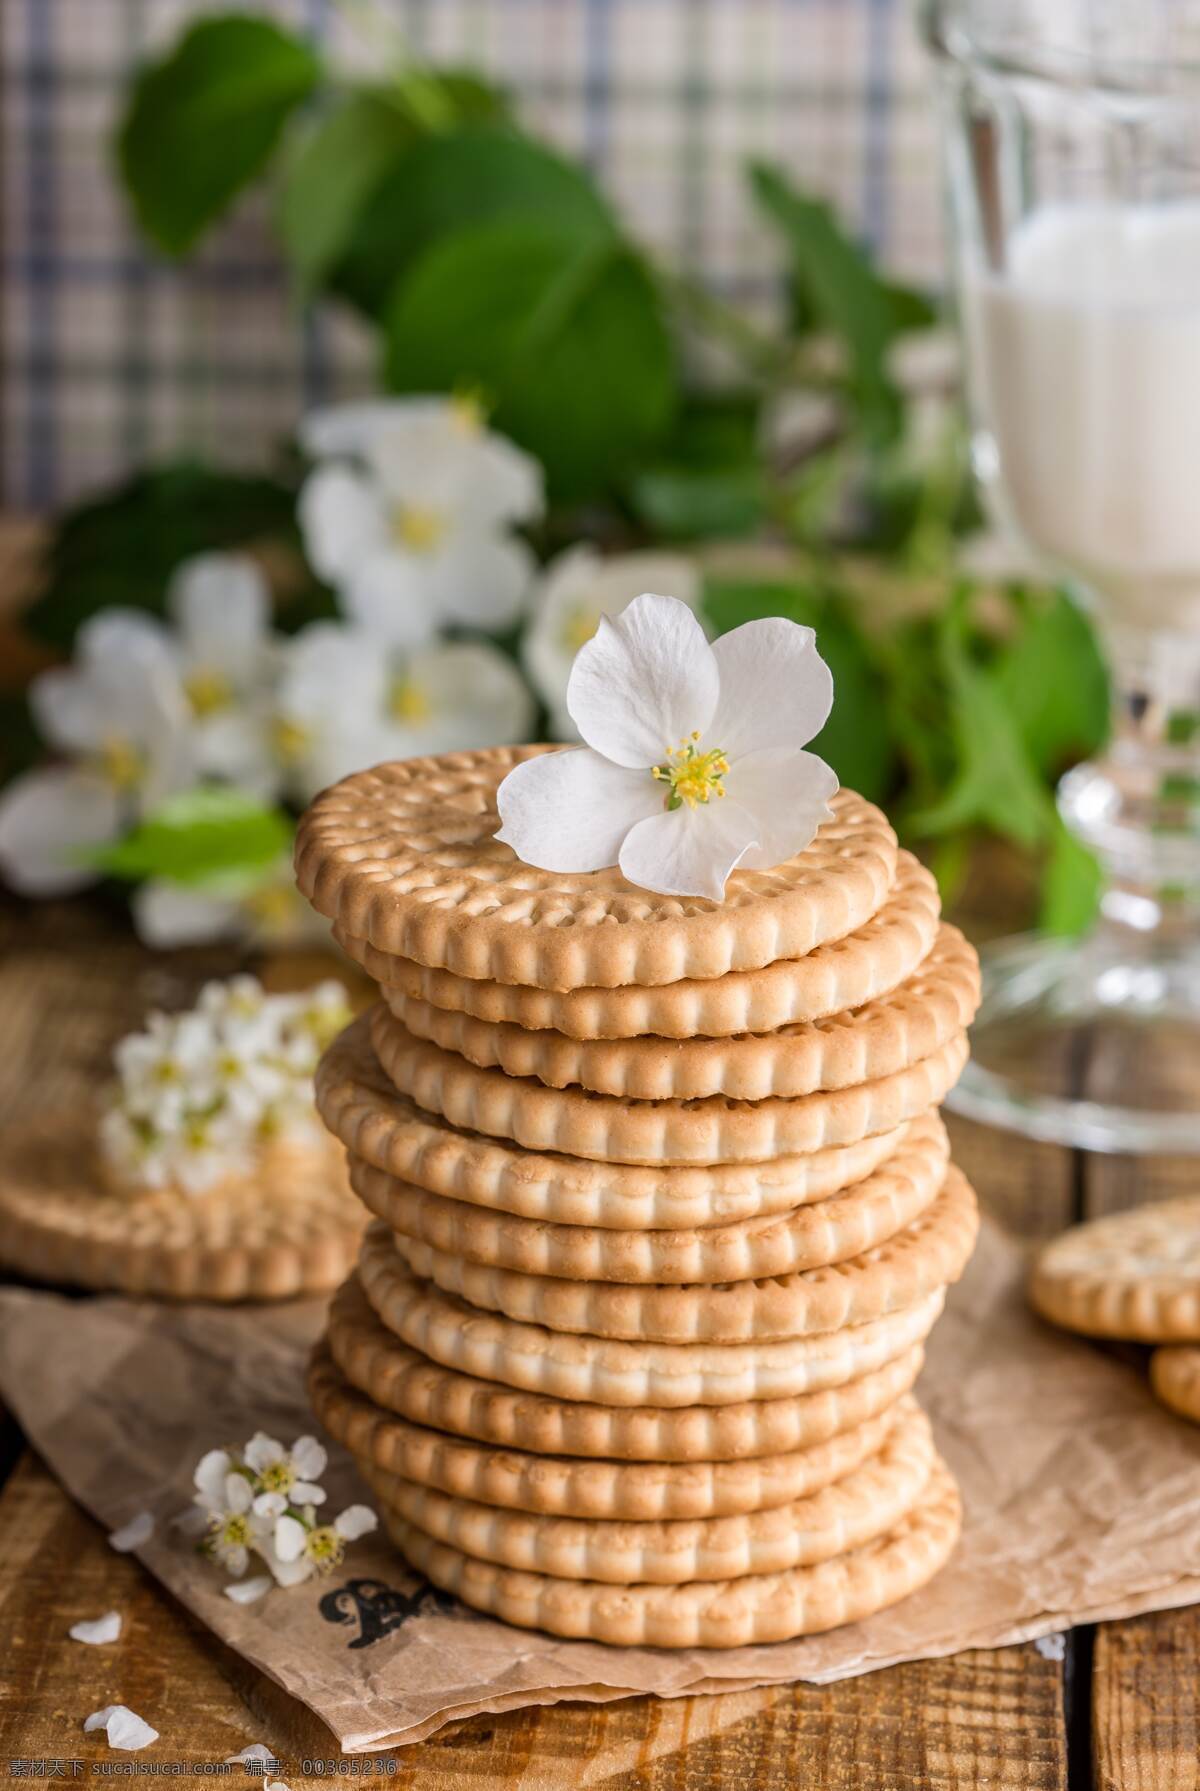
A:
(404, 857)
(846, 973)
(1133, 1275)
(397, 1378)
(706, 1613)
(581, 1486)
(831, 1230)
(389, 1131)
(613, 1372)
(868, 1501)
(1175, 1378)
(292, 1228)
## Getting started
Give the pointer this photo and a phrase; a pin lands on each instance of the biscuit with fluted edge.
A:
(1175, 1378)
(389, 1131)
(1133, 1275)
(289, 1226)
(868, 1501)
(706, 1613)
(831, 1230)
(579, 1486)
(404, 856)
(399, 1379)
(845, 973)
(610, 1372)
(612, 1130)
(860, 1045)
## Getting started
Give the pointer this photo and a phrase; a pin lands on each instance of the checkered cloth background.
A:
(110, 356)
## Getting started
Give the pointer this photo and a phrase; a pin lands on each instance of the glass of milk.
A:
(1071, 131)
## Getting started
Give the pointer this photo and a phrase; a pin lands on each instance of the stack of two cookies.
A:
(663, 1216)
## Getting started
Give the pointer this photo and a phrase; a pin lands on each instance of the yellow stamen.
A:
(290, 740)
(208, 692)
(121, 763)
(270, 907)
(233, 1530)
(324, 1547)
(579, 627)
(466, 410)
(278, 1477)
(692, 776)
(418, 527)
(409, 702)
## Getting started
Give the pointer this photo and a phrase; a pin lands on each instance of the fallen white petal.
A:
(139, 1529)
(257, 1750)
(247, 1591)
(274, 1785)
(1051, 1647)
(97, 1629)
(125, 1729)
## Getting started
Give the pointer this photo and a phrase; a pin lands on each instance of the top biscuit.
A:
(403, 856)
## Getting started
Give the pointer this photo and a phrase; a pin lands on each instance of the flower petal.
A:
(689, 852)
(776, 690)
(390, 595)
(643, 682)
(220, 604)
(125, 1729)
(270, 1504)
(570, 811)
(48, 820)
(305, 1492)
(258, 1750)
(209, 1478)
(466, 693)
(262, 1451)
(356, 1521)
(139, 1529)
(483, 580)
(342, 521)
(788, 793)
(247, 1592)
(239, 1494)
(168, 914)
(309, 1457)
(97, 1630)
(290, 1537)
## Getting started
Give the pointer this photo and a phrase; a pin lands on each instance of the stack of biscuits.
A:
(663, 1216)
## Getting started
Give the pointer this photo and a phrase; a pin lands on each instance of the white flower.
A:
(139, 1529)
(348, 699)
(225, 654)
(124, 1728)
(234, 1526)
(693, 763)
(292, 1471)
(258, 908)
(574, 591)
(97, 1630)
(320, 1548)
(411, 520)
(119, 714)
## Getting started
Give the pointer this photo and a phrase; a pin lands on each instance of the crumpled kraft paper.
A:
(1082, 1502)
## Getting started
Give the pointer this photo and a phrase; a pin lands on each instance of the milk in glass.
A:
(1085, 358)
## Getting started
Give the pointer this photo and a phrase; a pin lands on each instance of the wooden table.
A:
(1120, 1708)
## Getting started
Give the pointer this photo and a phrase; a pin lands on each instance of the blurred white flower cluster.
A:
(200, 1092)
(410, 513)
(264, 1501)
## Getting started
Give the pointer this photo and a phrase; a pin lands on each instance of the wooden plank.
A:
(1146, 1703)
(987, 1718)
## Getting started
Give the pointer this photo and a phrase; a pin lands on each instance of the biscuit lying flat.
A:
(1134, 1275)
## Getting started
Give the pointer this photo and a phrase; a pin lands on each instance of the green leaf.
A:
(856, 739)
(1054, 681)
(123, 547)
(201, 123)
(1071, 886)
(209, 831)
(335, 168)
(837, 289)
(475, 175)
(995, 784)
(684, 503)
(563, 334)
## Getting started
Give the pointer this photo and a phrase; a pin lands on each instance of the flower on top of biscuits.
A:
(693, 763)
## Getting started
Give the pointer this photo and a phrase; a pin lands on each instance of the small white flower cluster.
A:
(200, 1092)
(264, 1500)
